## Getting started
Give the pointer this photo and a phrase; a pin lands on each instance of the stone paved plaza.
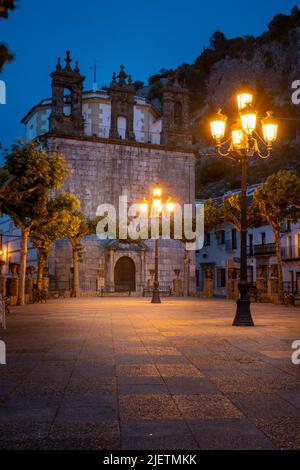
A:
(121, 373)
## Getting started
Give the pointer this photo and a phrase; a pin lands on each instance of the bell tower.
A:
(67, 79)
(122, 106)
(176, 115)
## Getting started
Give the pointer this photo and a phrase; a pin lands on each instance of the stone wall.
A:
(102, 171)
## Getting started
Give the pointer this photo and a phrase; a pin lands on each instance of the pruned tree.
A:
(78, 227)
(232, 212)
(52, 227)
(278, 200)
(32, 171)
(213, 215)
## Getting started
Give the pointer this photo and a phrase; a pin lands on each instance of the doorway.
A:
(124, 274)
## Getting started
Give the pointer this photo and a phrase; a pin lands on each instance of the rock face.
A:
(271, 70)
(103, 170)
(269, 67)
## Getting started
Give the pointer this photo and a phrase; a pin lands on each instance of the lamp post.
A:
(244, 143)
(156, 211)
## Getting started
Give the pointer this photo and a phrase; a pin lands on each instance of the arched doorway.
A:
(124, 274)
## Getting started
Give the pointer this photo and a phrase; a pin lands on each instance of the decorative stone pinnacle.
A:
(58, 65)
(76, 68)
(68, 61)
(122, 75)
(176, 80)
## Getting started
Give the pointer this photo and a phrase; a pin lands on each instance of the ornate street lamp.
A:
(244, 143)
(156, 211)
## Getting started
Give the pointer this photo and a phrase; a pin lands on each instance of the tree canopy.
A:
(275, 201)
(6, 7)
(29, 172)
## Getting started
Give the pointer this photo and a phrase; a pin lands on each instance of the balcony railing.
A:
(262, 249)
(290, 252)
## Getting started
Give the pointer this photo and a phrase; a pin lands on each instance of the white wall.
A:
(220, 256)
(97, 117)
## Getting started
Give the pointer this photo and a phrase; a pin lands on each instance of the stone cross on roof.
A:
(122, 75)
(68, 61)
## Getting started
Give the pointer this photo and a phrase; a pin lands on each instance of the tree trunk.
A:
(279, 265)
(75, 285)
(186, 273)
(41, 265)
(23, 260)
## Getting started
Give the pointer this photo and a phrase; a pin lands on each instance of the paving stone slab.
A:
(229, 434)
(164, 434)
(148, 407)
(264, 405)
(206, 406)
(283, 431)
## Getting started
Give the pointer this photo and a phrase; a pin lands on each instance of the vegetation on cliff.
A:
(269, 63)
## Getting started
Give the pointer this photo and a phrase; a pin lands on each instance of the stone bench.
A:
(58, 294)
(163, 289)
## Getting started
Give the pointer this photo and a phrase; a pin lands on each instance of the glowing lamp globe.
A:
(170, 205)
(269, 127)
(248, 120)
(237, 137)
(244, 99)
(217, 125)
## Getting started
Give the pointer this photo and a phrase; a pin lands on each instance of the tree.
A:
(138, 84)
(5, 6)
(78, 227)
(294, 192)
(218, 41)
(33, 172)
(52, 227)
(5, 55)
(232, 212)
(21, 176)
(213, 215)
(274, 200)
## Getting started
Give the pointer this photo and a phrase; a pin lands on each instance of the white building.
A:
(221, 252)
(10, 245)
(116, 144)
(96, 110)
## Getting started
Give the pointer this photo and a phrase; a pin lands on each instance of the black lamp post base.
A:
(155, 295)
(155, 298)
(243, 314)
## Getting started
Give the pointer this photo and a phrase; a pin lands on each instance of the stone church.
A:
(117, 143)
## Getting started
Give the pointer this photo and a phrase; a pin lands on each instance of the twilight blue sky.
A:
(145, 35)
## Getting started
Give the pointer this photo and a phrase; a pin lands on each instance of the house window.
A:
(220, 236)
(263, 238)
(233, 239)
(207, 239)
(221, 277)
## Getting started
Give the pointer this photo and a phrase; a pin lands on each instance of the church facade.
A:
(117, 144)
